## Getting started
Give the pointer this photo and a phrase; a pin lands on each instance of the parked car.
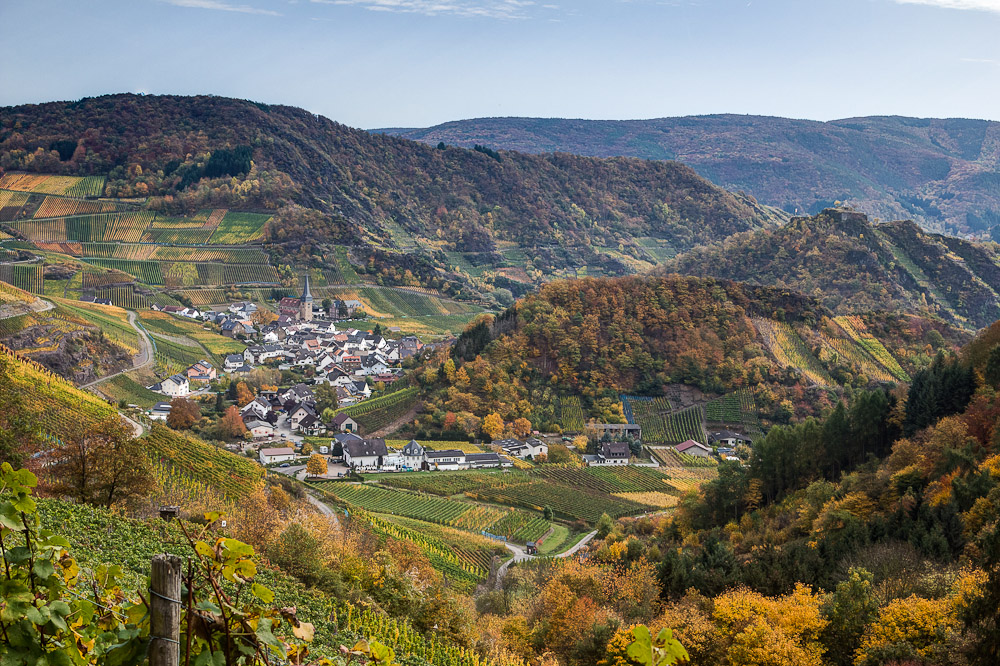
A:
(284, 465)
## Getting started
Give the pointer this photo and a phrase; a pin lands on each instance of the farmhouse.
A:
(611, 453)
(259, 429)
(268, 456)
(693, 448)
(201, 371)
(728, 438)
(160, 411)
(482, 460)
(344, 423)
(413, 455)
(365, 454)
(528, 449)
(448, 459)
(176, 386)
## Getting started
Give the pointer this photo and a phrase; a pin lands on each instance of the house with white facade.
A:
(176, 386)
(365, 454)
(611, 454)
(268, 456)
(448, 459)
(693, 448)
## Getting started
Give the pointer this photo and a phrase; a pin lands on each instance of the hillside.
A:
(686, 339)
(940, 172)
(852, 266)
(485, 209)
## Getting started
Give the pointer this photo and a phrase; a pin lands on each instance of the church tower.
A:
(306, 303)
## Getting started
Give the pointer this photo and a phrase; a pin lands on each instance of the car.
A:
(283, 435)
(284, 465)
(567, 439)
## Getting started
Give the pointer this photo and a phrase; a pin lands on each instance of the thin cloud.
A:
(496, 9)
(973, 5)
(222, 6)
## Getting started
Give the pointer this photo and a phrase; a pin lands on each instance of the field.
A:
(606, 480)
(451, 483)
(855, 327)
(233, 475)
(24, 276)
(571, 414)
(237, 228)
(147, 272)
(509, 523)
(125, 227)
(376, 413)
(789, 351)
(565, 501)
(122, 297)
(71, 186)
(124, 389)
(737, 408)
(660, 423)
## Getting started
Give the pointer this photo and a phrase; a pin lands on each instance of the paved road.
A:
(143, 359)
(323, 508)
(520, 555)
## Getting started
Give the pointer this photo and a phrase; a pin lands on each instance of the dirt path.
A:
(141, 360)
(520, 555)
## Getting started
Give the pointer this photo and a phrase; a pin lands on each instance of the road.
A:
(520, 555)
(141, 360)
(322, 507)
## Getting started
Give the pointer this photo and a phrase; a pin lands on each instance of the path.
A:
(520, 555)
(322, 507)
(143, 359)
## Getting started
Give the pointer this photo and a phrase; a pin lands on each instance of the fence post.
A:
(165, 611)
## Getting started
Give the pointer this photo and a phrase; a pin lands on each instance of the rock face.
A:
(80, 356)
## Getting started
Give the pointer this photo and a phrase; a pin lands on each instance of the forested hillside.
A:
(196, 152)
(850, 266)
(941, 172)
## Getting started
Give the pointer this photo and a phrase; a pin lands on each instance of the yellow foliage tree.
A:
(316, 465)
(522, 427)
(493, 426)
(926, 626)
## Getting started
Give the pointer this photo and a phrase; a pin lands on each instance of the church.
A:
(298, 308)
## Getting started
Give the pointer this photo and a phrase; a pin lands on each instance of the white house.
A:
(160, 411)
(259, 407)
(413, 455)
(448, 459)
(234, 361)
(728, 438)
(176, 386)
(345, 423)
(365, 454)
(611, 454)
(259, 429)
(299, 414)
(531, 448)
(268, 456)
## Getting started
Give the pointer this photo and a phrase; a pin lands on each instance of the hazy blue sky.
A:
(376, 63)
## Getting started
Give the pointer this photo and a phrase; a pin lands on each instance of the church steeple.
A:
(306, 303)
(306, 294)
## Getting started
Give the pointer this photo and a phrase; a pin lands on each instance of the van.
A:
(324, 450)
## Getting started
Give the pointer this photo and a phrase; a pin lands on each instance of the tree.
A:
(991, 373)
(327, 304)
(220, 405)
(849, 610)
(244, 396)
(316, 465)
(307, 448)
(492, 426)
(604, 525)
(547, 513)
(522, 427)
(231, 424)
(102, 465)
(326, 397)
(231, 391)
(183, 414)
(263, 317)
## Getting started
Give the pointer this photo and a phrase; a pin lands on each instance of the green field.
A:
(237, 228)
(124, 388)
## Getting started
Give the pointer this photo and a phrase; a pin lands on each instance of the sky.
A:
(415, 63)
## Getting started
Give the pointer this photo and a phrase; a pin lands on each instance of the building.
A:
(693, 448)
(728, 438)
(448, 459)
(611, 454)
(201, 371)
(259, 429)
(413, 455)
(306, 304)
(259, 408)
(298, 414)
(529, 449)
(344, 423)
(234, 361)
(268, 456)
(176, 386)
(365, 454)
(482, 460)
(160, 411)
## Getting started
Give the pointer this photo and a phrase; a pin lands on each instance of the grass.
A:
(237, 228)
(124, 388)
(551, 544)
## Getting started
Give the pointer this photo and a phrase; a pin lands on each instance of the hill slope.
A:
(941, 172)
(852, 266)
(374, 189)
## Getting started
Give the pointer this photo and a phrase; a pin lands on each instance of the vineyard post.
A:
(165, 610)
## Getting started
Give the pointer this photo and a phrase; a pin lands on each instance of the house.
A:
(611, 453)
(312, 425)
(345, 423)
(201, 371)
(289, 307)
(529, 449)
(298, 393)
(259, 407)
(482, 460)
(728, 438)
(233, 361)
(176, 386)
(346, 309)
(160, 411)
(448, 459)
(365, 454)
(413, 455)
(393, 462)
(268, 456)
(190, 313)
(259, 429)
(297, 414)
(409, 346)
(693, 448)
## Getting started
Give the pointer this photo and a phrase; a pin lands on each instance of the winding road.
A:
(141, 360)
(520, 555)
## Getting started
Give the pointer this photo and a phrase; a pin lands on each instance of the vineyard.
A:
(124, 389)
(123, 297)
(147, 272)
(452, 513)
(739, 407)
(855, 327)
(604, 480)
(28, 277)
(342, 271)
(376, 413)
(233, 475)
(237, 228)
(789, 351)
(565, 501)
(388, 302)
(98, 536)
(571, 414)
(451, 483)
(11, 294)
(71, 186)
(660, 423)
(53, 206)
(125, 227)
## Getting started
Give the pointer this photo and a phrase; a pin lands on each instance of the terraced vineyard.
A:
(71, 186)
(124, 389)
(451, 483)
(125, 227)
(739, 407)
(122, 297)
(563, 500)
(113, 321)
(789, 351)
(660, 423)
(855, 327)
(28, 277)
(233, 475)
(147, 272)
(606, 480)
(237, 228)
(376, 413)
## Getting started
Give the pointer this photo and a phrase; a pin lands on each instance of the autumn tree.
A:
(326, 397)
(492, 426)
(263, 317)
(522, 427)
(183, 414)
(244, 396)
(307, 448)
(316, 465)
(103, 464)
(231, 424)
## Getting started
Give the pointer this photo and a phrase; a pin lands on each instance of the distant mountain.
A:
(944, 173)
(850, 265)
(534, 214)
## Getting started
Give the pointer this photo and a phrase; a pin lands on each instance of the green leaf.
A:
(262, 593)
(43, 569)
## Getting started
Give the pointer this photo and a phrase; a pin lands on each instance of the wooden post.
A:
(165, 611)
